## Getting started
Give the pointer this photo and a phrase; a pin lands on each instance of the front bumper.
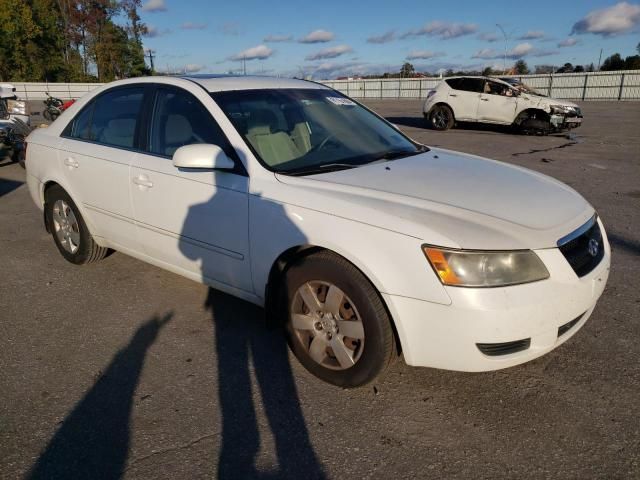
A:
(447, 336)
(561, 122)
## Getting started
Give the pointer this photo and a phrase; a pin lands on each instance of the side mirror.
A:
(202, 156)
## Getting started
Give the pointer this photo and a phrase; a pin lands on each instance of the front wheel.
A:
(441, 117)
(337, 327)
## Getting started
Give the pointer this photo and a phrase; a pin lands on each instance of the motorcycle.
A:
(54, 107)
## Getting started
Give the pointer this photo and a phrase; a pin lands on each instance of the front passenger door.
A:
(496, 105)
(194, 222)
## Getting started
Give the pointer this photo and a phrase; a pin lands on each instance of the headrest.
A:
(177, 130)
(262, 119)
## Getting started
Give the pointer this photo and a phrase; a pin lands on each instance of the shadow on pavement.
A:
(618, 242)
(8, 186)
(93, 440)
(243, 341)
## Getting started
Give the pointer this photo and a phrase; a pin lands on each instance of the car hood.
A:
(447, 198)
(552, 101)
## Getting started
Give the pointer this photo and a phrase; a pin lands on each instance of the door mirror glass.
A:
(202, 156)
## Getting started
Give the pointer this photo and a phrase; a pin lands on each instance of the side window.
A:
(454, 83)
(472, 85)
(495, 88)
(180, 119)
(115, 116)
(81, 125)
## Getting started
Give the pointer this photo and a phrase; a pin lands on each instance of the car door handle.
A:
(453, 95)
(143, 181)
(484, 99)
(71, 162)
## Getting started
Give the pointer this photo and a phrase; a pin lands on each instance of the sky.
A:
(327, 39)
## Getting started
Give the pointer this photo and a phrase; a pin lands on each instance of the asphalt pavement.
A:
(123, 370)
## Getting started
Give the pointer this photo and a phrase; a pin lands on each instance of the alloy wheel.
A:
(328, 325)
(66, 226)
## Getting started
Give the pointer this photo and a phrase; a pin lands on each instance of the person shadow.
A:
(93, 441)
(244, 345)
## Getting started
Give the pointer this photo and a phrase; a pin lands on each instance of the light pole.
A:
(505, 48)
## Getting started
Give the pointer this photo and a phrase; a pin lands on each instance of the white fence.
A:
(619, 85)
(66, 91)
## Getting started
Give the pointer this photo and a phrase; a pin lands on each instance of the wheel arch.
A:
(531, 113)
(442, 104)
(52, 182)
(273, 292)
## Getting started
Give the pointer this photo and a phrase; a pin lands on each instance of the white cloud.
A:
(277, 38)
(444, 30)
(384, 38)
(424, 55)
(154, 6)
(153, 32)
(532, 35)
(259, 52)
(489, 37)
(519, 51)
(193, 26)
(621, 18)
(568, 42)
(331, 52)
(317, 36)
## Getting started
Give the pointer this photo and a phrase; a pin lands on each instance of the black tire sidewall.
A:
(449, 113)
(83, 253)
(378, 334)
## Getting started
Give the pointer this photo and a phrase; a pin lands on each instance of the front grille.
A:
(583, 248)
(497, 349)
(562, 329)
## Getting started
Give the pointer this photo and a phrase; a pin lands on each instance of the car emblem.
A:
(594, 246)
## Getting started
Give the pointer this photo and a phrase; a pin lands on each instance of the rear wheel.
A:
(441, 117)
(69, 231)
(337, 327)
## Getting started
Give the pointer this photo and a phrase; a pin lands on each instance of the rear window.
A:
(466, 84)
(110, 119)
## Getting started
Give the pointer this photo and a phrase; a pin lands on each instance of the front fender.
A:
(393, 262)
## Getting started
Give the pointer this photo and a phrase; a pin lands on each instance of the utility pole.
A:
(150, 54)
(244, 64)
(505, 48)
(599, 60)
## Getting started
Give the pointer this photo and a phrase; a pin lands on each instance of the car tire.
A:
(441, 118)
(347, 340)
(69, 230)
(535, 126)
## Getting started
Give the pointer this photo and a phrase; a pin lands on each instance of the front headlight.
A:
(473, 268)
(18, 107)
(560, 109)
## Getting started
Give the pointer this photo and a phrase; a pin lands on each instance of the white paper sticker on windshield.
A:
(341, 101)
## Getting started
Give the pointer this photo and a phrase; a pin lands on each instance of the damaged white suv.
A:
(497, 101)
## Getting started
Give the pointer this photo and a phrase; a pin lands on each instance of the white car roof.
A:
(219, 83)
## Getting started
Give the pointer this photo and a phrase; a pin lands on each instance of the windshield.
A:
(305, 131)
(522, 87)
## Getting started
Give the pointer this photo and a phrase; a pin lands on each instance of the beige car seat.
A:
(273, 146)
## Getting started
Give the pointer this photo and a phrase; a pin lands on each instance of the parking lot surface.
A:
(123, 370)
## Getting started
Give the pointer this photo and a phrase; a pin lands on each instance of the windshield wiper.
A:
(324, 168)
(395, 154)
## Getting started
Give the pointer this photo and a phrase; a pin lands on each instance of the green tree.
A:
(614, 62)
(407, 70)
(632, 62)
(578, 69)
(521, 67)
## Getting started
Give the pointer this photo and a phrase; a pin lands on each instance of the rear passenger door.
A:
(464, 97)
(192, 221)
(96, 151)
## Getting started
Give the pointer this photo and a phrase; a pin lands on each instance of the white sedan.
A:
(362, 242)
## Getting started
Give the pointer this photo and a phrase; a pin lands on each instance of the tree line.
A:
(71, 40)
(520, 67)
